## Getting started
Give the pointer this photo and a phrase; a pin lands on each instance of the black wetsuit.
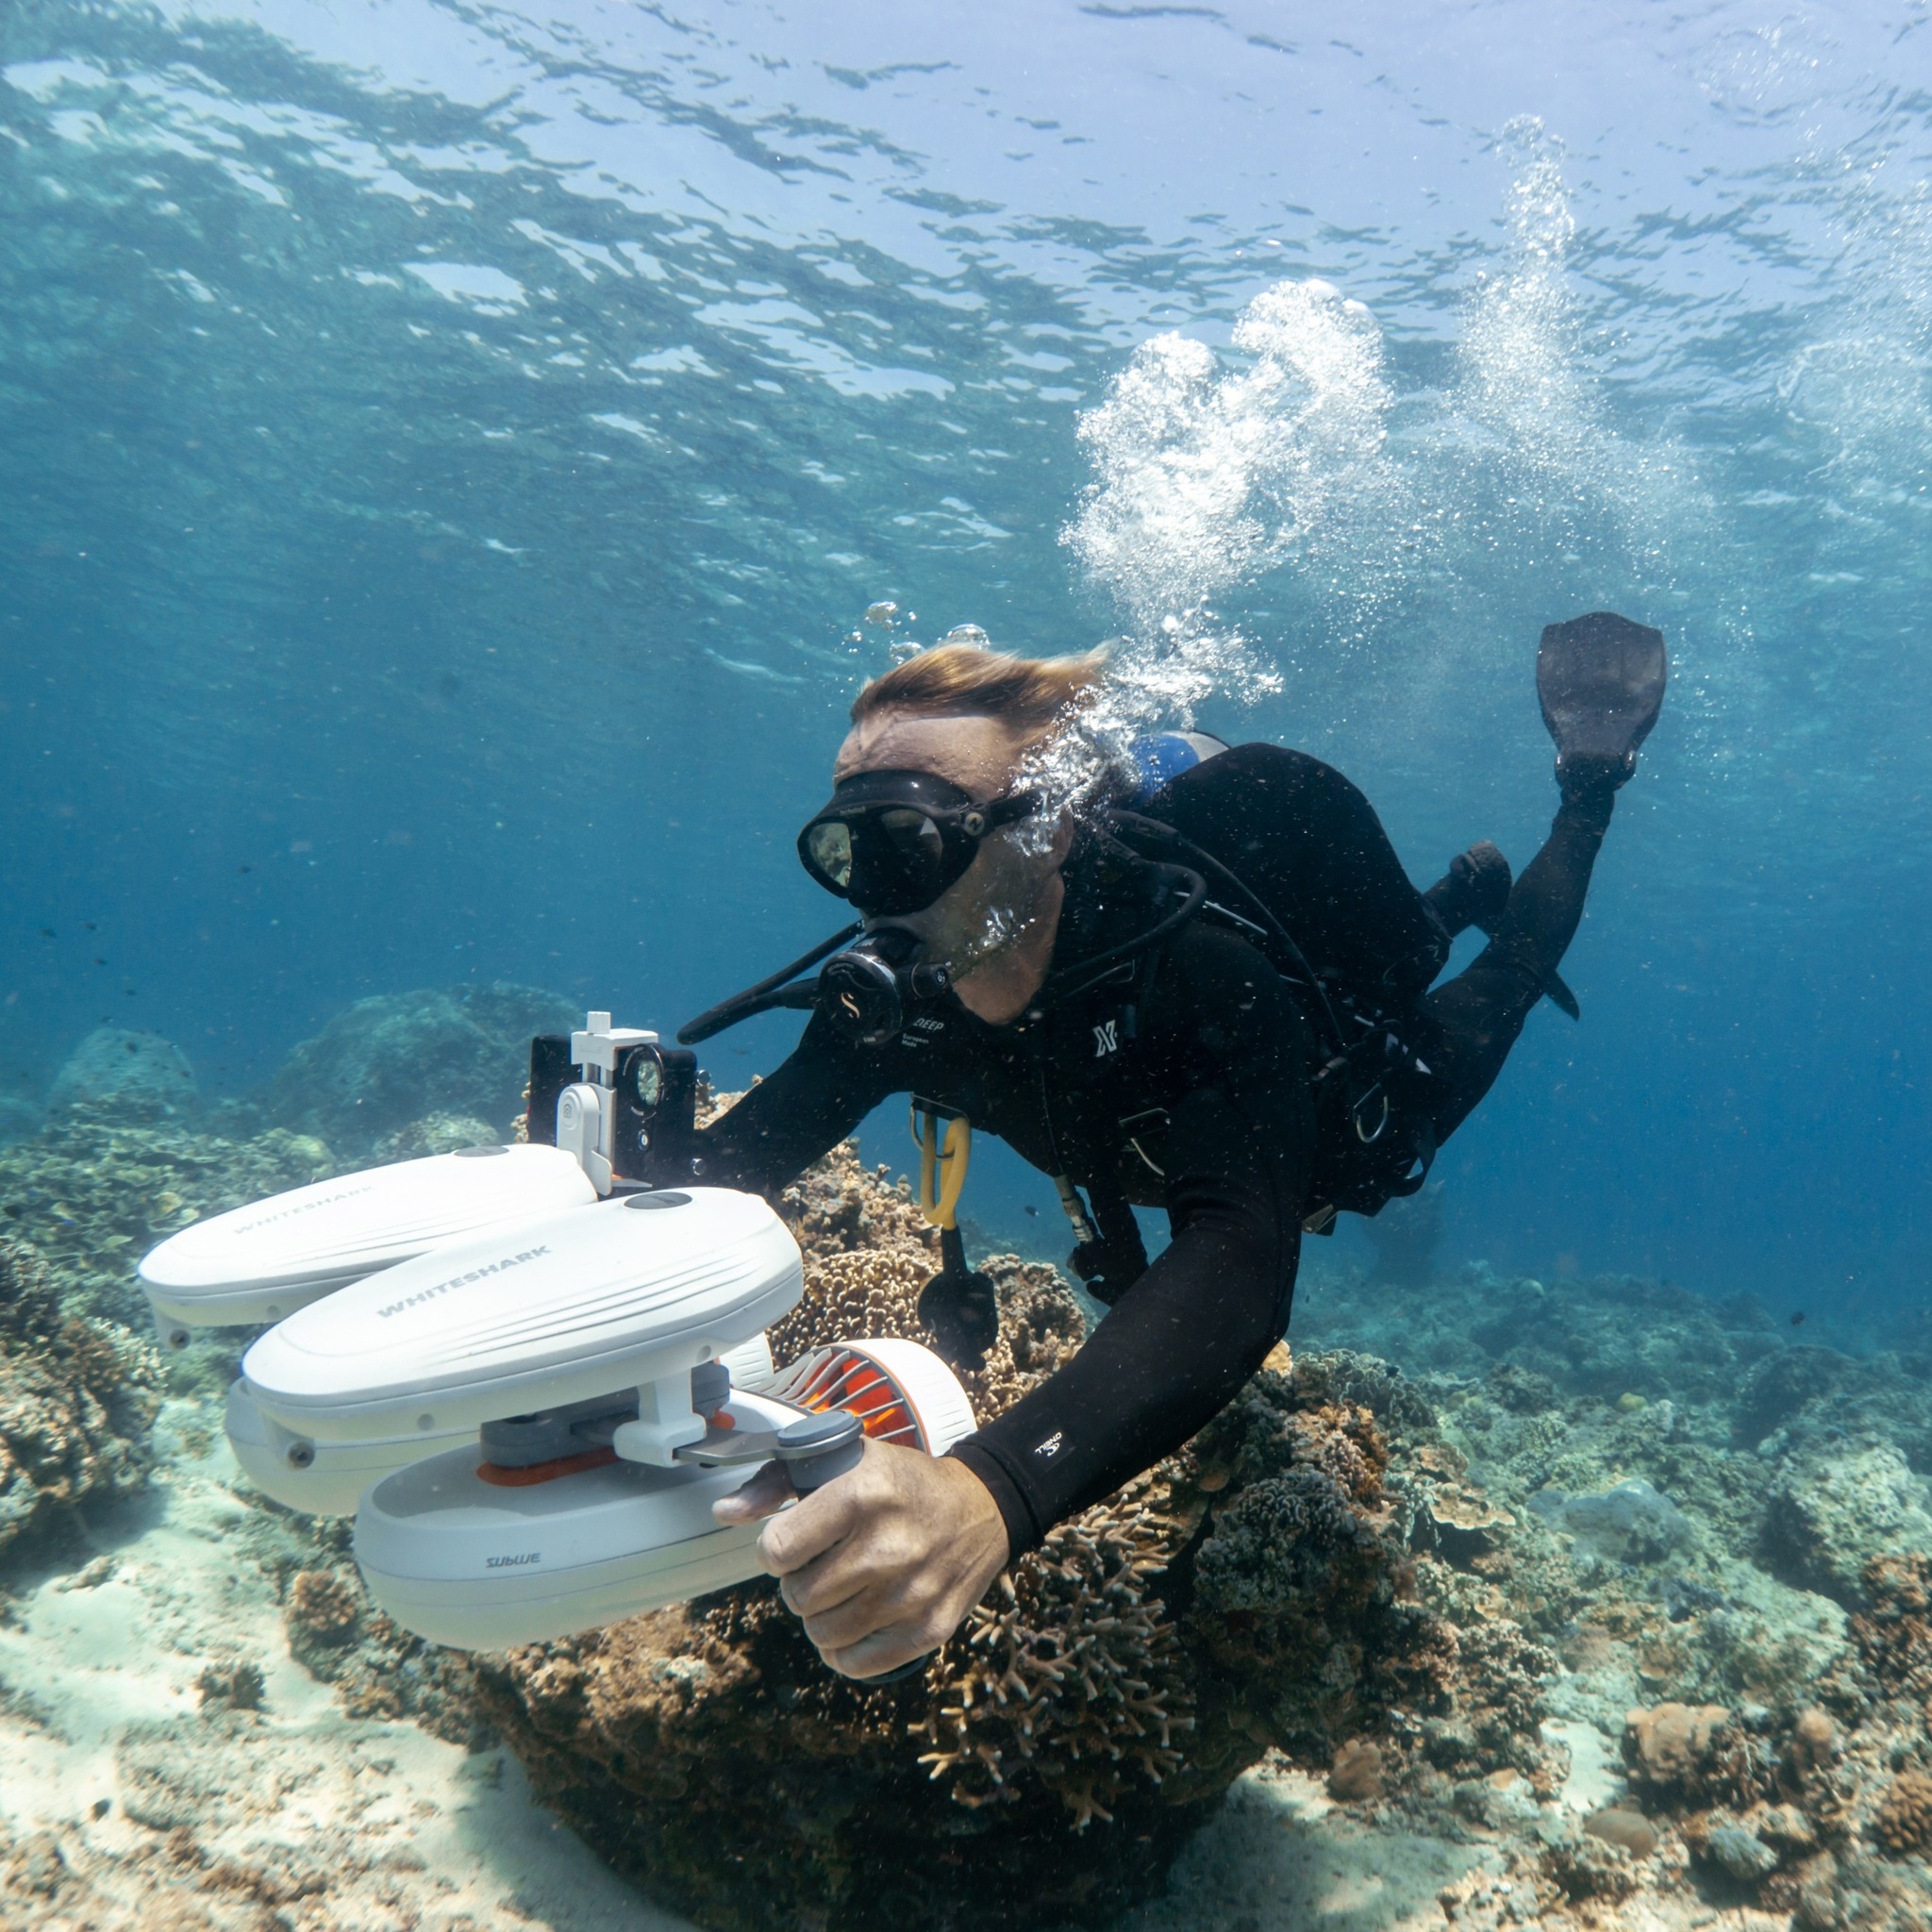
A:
(1184, 1081)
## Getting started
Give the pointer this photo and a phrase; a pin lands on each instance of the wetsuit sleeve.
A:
(814, 1099)
(1191, 1330)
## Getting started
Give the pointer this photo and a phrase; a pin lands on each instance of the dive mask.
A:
(892, 841)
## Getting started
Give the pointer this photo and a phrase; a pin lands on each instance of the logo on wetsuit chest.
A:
(1106, 1038)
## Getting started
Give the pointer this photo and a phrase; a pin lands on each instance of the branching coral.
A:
(1894, 1634)
(1068, 1671)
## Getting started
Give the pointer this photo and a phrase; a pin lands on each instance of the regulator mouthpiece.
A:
(868, 990)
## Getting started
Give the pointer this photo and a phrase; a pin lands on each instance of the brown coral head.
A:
(1814, 1738)
(1904, 1820)
(1355, 1775)
(1617, 1824)
(1667, 1743)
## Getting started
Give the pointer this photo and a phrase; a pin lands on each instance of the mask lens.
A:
(828, 847)
(899, 861)
(913, 836)
(893, 854)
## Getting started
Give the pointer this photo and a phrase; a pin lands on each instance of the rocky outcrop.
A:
(123, 1074)
(1830, 1515)
(392, 1059)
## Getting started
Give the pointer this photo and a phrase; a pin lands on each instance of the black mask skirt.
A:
(890, 843)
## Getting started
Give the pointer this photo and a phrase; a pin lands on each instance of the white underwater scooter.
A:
(529, 1378)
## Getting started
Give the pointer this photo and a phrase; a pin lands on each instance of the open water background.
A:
(447, 450)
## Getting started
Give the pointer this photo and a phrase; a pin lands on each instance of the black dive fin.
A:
(1601, 681)
(1559, 995)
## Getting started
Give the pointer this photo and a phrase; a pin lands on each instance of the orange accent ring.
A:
(503, 1479)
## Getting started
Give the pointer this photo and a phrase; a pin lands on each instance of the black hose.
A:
(1089, 973)
(770, 992)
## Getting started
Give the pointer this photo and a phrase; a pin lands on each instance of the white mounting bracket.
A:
(596, 1047)
(583, 1129)
(666, 1420)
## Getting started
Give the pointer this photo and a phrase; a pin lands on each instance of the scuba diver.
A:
(1211, 992)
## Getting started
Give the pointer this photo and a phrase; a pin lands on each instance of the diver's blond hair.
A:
(1029, 695)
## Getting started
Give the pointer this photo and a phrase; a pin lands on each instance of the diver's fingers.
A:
(765, 1494)
(884, 1650)
(821, 1520)
(880, 1605)
(882, 1547)
(826, 1582)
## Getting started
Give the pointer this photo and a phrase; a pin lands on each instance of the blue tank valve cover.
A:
(1165, 756)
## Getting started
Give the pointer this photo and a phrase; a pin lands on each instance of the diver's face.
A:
(997, 898)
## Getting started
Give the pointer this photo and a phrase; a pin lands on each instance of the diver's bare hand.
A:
(883, 1563)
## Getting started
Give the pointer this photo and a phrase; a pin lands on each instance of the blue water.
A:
(446, 452)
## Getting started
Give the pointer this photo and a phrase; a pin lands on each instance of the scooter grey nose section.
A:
(1601, 681)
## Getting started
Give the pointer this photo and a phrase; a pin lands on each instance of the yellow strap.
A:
(941, 1168)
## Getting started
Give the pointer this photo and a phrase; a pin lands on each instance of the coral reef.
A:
(77, 1400)
(1627, 1585)
(435, 1133)
(1699, 1499)
(395, 1058)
